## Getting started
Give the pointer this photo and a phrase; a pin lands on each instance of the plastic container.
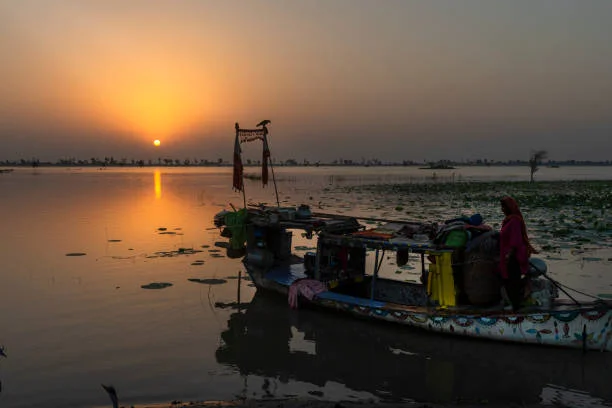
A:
(309, 262)
(303, 212)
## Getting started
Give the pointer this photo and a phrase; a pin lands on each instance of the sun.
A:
(156, 143)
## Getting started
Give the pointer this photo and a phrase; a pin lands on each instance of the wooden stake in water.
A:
(238, 294)
(274, 181)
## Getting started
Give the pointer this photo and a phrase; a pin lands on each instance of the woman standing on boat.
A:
(515, 250)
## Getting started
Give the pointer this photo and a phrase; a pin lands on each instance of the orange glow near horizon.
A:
(152, 109)
(145, 89)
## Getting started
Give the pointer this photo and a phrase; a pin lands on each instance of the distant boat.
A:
(438, 167)
(554, 166)
(6, 170)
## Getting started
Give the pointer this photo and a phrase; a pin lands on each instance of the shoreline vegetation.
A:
(315, 403)
(425, 165)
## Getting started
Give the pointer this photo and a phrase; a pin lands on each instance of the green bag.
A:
(236, 223)
(456, 239)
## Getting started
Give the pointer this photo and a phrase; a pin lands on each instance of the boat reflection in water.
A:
(396, 363)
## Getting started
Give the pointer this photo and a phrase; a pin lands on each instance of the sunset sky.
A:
(386, 79)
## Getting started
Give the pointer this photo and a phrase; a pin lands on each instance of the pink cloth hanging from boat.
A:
(308, 288)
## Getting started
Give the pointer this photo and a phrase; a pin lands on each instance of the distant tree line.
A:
(536, 159)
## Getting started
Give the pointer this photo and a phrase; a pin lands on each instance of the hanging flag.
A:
(237, 165)
(266, 157)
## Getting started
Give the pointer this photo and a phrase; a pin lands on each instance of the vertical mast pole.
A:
(271, 166)
(274, 181)
(241, 166)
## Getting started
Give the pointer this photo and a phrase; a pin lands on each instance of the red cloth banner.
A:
(238, 169)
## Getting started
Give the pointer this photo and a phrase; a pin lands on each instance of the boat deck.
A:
(288, 273)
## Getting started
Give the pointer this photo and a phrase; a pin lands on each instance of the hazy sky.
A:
(385, 79)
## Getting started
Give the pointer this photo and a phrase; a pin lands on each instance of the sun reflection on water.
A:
(157, 184)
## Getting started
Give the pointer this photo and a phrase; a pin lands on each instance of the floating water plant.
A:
(211, 281)
(156, 285)
(559, 214)
(231, 305)
(180, 251)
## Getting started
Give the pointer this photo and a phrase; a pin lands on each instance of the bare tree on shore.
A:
(534, 160)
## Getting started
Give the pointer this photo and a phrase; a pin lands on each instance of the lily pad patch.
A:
(231, 305)
(180, 251)
(156, 285)
(211, 281)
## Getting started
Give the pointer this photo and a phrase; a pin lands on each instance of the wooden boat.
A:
(339, 268)
(336, 277)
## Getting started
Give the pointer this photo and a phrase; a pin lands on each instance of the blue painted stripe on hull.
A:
(286, 275)
(351, 300)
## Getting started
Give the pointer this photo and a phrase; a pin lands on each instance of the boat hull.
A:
(587, 326)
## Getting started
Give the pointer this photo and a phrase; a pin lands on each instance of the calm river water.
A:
(70, 323)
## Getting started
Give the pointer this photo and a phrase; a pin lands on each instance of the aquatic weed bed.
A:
(559, 214)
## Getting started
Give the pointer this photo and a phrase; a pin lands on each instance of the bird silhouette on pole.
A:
(264, 122)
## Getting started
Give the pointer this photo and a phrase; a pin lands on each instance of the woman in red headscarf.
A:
(515, 250)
